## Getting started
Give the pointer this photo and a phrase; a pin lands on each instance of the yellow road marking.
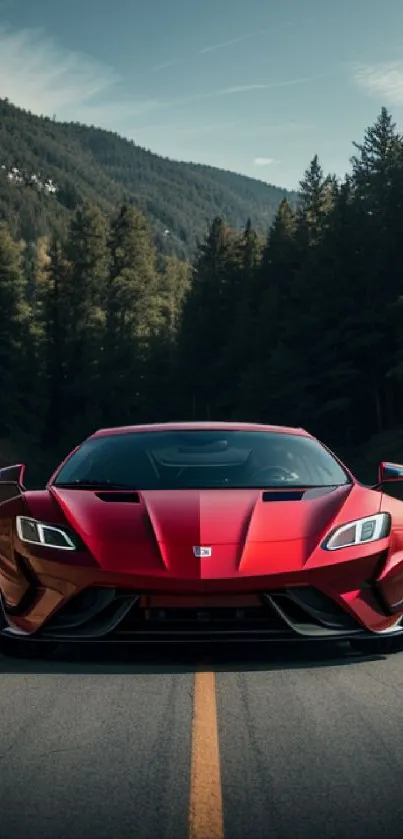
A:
(205, 812)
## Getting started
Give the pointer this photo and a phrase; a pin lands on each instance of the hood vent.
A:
(119, 497)
(283, 495)
(297, 494)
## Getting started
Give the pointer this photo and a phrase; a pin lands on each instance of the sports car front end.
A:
(86, 562)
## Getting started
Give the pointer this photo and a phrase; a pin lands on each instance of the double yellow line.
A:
(206, 810)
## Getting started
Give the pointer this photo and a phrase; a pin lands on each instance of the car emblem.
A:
(199, 551)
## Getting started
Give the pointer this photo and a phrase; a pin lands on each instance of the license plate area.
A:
(199, 601)
(211, 609)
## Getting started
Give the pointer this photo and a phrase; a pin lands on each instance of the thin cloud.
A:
(164, 66)
(384, 80)
(247, 88)
(241, 88)
(37, 75)
(232, 42)
(233, 91)
(224, 44)
(263, 161)
(246, 37)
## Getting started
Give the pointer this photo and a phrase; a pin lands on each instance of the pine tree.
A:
(206, 324)
(373, 166)
(173, 285)
(273, 292)
(84, 294)
(13, 331)
(242, 317)
(55, 320)
(133, 316)
(377, 183)
(315, 202)
(325, 327)
(36, 263)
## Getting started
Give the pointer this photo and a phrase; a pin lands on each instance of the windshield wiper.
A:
(82, 483)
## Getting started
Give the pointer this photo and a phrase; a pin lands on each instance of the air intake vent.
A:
(119, 497)
(283, 495)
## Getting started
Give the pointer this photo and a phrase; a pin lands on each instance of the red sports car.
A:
(195, 531)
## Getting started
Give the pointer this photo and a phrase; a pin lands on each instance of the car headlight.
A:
(35, 533)
(368, 529)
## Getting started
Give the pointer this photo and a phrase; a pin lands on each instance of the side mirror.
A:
(390, 472)
(13, 473)
(11, 481)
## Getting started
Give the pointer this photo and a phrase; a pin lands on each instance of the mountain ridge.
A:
(86, 163)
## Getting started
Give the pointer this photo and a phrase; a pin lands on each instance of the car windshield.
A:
(169, 460)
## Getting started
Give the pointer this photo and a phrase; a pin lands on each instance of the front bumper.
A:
(78, 601)
(122, 615)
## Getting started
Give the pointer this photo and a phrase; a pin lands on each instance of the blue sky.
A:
(254, 86)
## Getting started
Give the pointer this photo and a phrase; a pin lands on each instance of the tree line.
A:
(303, 327)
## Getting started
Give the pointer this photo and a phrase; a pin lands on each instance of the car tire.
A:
(15, 648)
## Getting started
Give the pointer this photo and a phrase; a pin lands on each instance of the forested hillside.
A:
(48, 169)
(304, 327)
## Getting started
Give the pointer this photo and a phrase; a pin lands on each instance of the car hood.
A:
(249, 531)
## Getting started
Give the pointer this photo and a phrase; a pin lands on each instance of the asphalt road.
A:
(163, 744)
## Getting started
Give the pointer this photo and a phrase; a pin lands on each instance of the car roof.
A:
(200, 426)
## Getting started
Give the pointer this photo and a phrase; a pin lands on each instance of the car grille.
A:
(113, 614)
